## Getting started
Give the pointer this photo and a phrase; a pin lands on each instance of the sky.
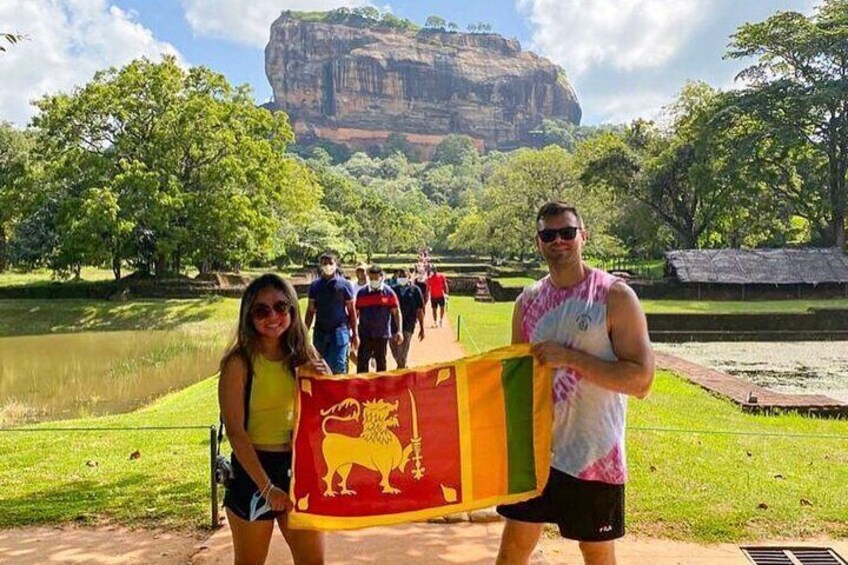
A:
(625, 58)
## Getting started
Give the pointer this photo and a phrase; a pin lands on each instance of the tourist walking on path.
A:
(411, 309)
(361, 278)
(438, 287)
(377, 307)
(331, 305)
(590, 327)
(256, 394)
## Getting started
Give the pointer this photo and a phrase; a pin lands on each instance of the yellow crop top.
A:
(271, 417)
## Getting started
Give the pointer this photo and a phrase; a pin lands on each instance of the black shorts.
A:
(583, 510)
(242, 497)
(435, 302)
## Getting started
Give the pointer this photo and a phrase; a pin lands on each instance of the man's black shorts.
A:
(436, 302)
(583, 510)
(242, 496)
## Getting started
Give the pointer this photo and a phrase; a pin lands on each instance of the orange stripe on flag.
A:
(488, 428)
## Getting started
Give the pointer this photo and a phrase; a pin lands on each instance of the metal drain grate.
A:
(793, 556)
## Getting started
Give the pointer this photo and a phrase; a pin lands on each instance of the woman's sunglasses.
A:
(565, 234)
(265, 311)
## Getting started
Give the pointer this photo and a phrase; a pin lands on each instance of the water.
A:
(61, 376)
(805, 367)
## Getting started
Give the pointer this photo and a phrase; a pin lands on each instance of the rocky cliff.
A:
(358, 84)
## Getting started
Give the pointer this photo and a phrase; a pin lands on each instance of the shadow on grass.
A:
(137, 500)
(37, 317)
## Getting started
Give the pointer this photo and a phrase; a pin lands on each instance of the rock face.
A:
(357, 85)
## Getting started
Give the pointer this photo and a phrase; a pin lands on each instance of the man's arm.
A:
(397, 317)
(352, 321)
(633, 373)
(517, 322)
(311, 307)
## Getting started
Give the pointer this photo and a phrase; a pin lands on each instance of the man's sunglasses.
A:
(265, 311)
(565, 234)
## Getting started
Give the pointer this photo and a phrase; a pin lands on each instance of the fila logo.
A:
(604, 529)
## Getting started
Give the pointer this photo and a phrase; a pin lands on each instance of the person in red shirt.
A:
(437, 284)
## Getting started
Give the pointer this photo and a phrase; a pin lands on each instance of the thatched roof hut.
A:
(758, 266)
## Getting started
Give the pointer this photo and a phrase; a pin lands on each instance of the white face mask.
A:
(375, 285)
(403, 281)
(328, 269)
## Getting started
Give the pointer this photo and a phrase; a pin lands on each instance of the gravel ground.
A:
(806, 367)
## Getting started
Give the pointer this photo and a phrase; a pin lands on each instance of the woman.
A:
(258, 381)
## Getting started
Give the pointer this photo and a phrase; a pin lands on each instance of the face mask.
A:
(328, 269)
(375, 285)
(402, 281)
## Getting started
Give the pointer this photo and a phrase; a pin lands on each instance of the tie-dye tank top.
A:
(588, 434)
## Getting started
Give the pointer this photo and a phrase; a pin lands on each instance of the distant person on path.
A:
(361, 278)
(421, 283)
(590, 327)
(379, 313)
(437, 284)
(332, 307)
(411, 309)
(256, 395)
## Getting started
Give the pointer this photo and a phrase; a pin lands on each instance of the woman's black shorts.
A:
(243, 498)
(583, 510)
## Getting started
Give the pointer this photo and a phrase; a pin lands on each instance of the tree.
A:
(11, 39)
(435, 22)
(455, 150)
(16, 162)
(528, 179)
(190, 168)
(472, 28)
(798, 89)
(453, 27)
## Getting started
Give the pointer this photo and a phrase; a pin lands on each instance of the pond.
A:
(59, 376)
(801, 367)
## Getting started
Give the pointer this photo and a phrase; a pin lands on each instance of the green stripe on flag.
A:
(517, 380)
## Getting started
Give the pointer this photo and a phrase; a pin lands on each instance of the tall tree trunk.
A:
(3, 249)
(176, 261)
(116, 266)
(161, 264)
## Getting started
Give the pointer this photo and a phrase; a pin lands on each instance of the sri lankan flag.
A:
(412, 444)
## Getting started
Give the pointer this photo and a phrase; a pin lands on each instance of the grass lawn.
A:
(696, 484)
(738, 307)
(701, 485)
(14, 277)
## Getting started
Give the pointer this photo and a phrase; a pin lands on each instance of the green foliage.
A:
(366, 16)
(436, 23)
(798, 91)
(11, 39)
(155, 165)
(455, 150)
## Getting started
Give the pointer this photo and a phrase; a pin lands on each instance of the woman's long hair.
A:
(293, 342)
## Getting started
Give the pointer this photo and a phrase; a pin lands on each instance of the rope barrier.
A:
(115, 429)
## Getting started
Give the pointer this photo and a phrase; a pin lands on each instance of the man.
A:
(589, 326)
(438, 287)
(331, 305)
(411, 309)
(421, 283)
(377, 307)
(361, 278)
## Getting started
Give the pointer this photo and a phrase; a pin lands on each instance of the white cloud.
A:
(629, 58)
(67, 42)
(625, 34)
(248, 22)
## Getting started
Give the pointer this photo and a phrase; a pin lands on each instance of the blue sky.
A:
(626, 58)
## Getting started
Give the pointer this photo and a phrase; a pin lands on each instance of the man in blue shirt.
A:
(411, 309)
(332, 306)
(377, 306)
